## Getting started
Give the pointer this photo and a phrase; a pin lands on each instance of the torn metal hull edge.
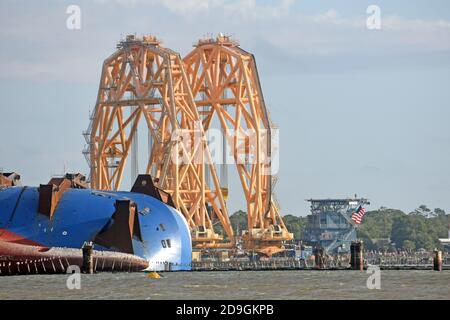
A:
(159, 234)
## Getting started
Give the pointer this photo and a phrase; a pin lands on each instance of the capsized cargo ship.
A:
(52, 222)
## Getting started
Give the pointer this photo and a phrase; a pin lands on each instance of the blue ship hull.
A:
(82, 214)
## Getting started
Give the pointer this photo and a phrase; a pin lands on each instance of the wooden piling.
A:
(356, 255)
(437, 261)
(318, 258)
(88, 259)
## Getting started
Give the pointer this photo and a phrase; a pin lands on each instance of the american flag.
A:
(358, 215)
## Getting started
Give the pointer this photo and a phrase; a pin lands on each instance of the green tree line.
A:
(419, 229)
(380, 229)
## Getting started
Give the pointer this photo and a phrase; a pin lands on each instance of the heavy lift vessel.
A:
(144, 81)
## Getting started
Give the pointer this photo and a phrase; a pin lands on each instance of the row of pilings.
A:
(357, 257)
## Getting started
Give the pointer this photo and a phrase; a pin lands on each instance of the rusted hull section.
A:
(20, 259)
(9, 179)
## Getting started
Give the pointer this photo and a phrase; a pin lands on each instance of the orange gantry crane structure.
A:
(224, 81)
(178, 100)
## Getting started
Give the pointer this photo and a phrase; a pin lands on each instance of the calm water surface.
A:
(233, 285)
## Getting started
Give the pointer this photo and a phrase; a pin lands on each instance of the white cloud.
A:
(395, 22)
(332, 17)
(189, 7)
(127, 3)
(279, 32)
(249, 9)
(390, 22)
(246, 9)
(329, 34)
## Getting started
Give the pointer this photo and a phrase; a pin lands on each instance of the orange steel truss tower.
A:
(142, 79)
(178, 100)
(225, 84)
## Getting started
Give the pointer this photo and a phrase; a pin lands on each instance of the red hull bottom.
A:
(16, 258)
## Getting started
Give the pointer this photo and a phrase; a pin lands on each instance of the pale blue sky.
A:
(360, 111)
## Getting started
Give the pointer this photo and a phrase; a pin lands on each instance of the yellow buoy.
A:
(153, 275)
